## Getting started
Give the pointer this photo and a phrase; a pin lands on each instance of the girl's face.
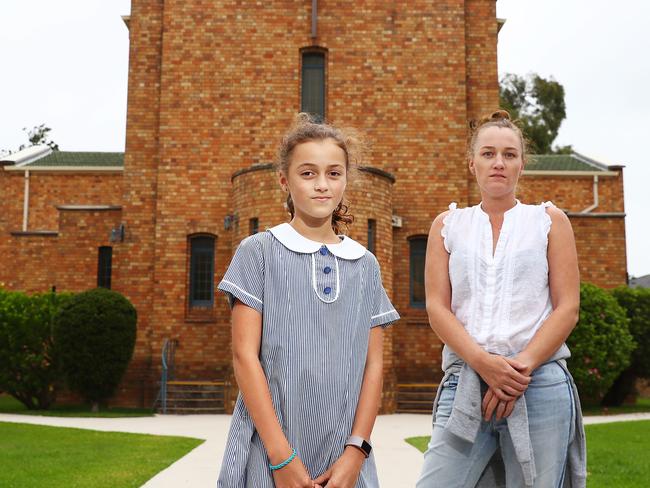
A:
(316, 178)
(497, 161)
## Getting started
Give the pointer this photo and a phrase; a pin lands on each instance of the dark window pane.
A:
(253, 226)
(418, 249)
(201, 271)
(313, 84)
(372, 235)
(104, 266)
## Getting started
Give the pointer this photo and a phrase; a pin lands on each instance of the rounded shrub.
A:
(95, 336)
(601, 343)
(636, 303)
(29, 364)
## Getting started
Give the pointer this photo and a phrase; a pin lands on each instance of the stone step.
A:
(415, 397)
(194, 397)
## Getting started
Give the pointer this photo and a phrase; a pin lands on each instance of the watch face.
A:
(360, 443)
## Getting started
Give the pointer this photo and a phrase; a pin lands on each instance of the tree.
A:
(37, 135)
(94, 333)
(539, 104)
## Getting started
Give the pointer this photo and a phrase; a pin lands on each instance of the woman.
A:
(502, 292)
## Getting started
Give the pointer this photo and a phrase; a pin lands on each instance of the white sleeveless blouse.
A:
(502, 300)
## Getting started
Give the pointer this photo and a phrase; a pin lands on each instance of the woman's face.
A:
(497, 161)
(316, 178)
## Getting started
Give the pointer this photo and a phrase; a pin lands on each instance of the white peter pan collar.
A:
(291, 239)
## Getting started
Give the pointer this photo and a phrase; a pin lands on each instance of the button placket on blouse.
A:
(325, 279)
(490, 279)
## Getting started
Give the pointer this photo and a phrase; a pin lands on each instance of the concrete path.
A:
(398, 463)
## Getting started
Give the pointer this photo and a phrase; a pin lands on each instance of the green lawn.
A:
(9, 404)
(617, 454)
(37, 456)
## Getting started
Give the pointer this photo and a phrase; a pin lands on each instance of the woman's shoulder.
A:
(452, 214)
(547, 209)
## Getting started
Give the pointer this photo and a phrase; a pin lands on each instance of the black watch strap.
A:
(359, 443)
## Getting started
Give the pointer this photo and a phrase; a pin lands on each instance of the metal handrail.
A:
(163, 379)
(167, 355)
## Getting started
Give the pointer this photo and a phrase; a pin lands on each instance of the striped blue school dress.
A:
(318, 303)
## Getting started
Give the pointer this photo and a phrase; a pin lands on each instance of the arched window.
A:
(201, 271)
(417, 254)
(104, 266)
(313, 84)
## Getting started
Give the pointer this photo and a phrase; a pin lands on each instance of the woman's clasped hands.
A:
(508, 379)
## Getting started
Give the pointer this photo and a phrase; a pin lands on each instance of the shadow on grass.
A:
(9, 404)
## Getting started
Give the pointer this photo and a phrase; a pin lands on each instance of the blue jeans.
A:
(453, 462)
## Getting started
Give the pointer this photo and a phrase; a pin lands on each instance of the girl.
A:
(307, 352)
(502, 292)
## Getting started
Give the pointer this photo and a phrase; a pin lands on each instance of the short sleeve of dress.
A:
(383, 312)
(244, 279)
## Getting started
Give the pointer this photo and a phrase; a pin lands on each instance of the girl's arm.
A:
(345, 471)
(499, 373)
(246, 341)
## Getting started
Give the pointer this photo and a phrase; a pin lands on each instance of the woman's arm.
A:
(345, 471)
(497, 372)
(246, 341)
(564, 284)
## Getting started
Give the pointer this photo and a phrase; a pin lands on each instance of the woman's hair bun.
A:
(499, 115)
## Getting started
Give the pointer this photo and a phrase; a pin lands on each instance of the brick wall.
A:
(66, 257)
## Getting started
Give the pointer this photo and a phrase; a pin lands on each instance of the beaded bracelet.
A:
(283, 463)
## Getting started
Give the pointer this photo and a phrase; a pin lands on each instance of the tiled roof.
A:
(640, 282)
(564, 162)
(70, 158)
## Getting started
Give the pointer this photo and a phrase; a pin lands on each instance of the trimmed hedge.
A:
(29, 364)
(601, 343)
(95, 335)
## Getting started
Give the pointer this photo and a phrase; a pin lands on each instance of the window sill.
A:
(206, 316)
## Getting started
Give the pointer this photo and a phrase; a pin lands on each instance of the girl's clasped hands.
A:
(342, 474)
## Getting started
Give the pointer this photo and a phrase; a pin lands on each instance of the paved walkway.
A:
(398, 463)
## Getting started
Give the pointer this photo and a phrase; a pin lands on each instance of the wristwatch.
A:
(360, 443)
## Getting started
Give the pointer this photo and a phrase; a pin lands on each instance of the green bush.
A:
(601, 343)
(29, 364)
(95, 335)
(636, 302)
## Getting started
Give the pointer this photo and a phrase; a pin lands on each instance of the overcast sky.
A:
(65, 63)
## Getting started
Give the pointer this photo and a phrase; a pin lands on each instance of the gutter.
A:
(536, 172)
(71, 169)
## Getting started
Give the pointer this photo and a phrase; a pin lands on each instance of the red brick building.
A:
(212, 87)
